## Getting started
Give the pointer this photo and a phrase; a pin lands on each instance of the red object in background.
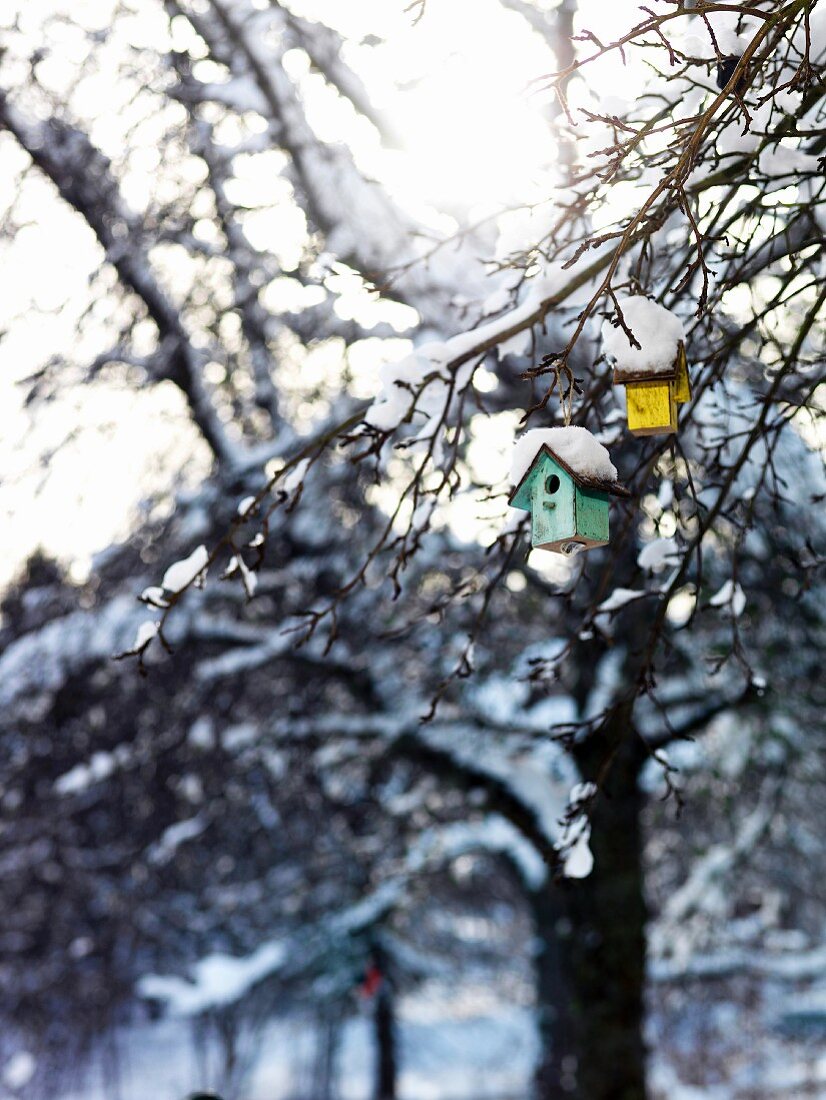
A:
(372, 981)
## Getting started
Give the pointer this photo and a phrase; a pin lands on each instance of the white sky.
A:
(454, 87)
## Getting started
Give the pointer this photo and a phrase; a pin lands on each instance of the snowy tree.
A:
(352, 556)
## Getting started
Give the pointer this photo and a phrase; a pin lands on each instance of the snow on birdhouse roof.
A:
(575, 449)
(656, 329)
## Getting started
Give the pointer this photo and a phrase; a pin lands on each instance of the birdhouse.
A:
(569, 508)
(652, 397)
(646, 342)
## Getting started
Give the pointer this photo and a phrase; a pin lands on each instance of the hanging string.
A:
(563, 382)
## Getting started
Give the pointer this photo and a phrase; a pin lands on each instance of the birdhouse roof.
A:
(624, 375)
(657, 334)
(602, 485)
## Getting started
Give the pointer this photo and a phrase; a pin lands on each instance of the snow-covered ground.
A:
(450, 1050)
(466, 1045)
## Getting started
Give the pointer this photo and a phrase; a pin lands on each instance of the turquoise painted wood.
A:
(565, 516)
(548, 493)
(592, 514)
(553, 510)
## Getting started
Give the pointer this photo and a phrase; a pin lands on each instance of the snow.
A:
(500, 299)
(578, 859)
(240, 736)
(618, 599)
(395, 398)
(576, 446)
(651, 557)
(244, 506)
(235, 661)
(202, 733)
(492, 834)
(249, 579)
(171, 838)
(40, 662)
(664, 1078)
(581, 792)
(519, 230)
(518, 344)
(218, 980)
(541, 779)
(81, 776)
(19, 1070)
(608, 682)
(777, 161)
(732, 596)
(145, 633)
(434, 362)
(658, 554)
(182, 573)
(552, 280)
(656, 329)
(555, 710)
(460, 1041)
(241, 94)
(367, 911)
(710, 878)
(153, 595)
(294, 478)
(499, 696)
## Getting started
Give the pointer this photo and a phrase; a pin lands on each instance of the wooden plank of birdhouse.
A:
(552, 503)
(652, 408)
(592, 516)
(682, 385)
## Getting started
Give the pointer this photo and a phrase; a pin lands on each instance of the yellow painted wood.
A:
(652, 408)
(682, 386)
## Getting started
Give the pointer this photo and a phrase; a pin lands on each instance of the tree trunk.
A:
(328, 1045)
(591, 943)
(385, 1034)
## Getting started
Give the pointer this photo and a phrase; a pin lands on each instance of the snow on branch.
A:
(217, 981)
(84, 178)
(41, 662)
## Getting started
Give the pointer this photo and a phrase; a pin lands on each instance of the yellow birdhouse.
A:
(652, 397)
(646, 342)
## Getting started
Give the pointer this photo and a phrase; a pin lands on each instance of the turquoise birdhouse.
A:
(569, 508)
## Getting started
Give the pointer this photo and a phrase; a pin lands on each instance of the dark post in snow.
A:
(378, 983)
(385, 1032)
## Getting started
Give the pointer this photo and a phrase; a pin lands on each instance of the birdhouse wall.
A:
(552, 505)
(652, 408)
(592, 515)
(682, 386)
